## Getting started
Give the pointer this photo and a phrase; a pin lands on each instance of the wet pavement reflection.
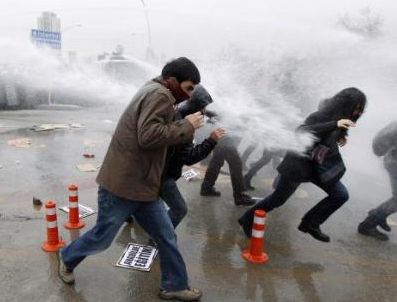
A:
(350, 268)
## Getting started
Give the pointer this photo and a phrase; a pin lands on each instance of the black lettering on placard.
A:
(131, 255)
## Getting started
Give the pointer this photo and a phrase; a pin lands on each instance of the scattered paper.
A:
(137, 256)
(190, 174)
(1, 166)
(20, 142)
(18, 162)
(87, 168)
(48, 127)
(107, 121)
(84, 211)
(89, 155)
(76, 125)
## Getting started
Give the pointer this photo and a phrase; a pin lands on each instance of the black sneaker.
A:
(383, 224)
(243, 199)
(314, 231)
(209, 191)
(371, 231)
(130, 220)
(247, 185)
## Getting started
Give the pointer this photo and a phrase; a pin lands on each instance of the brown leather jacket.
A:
(135, 159)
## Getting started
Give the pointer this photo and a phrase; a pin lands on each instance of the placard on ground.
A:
(84, 211)
(137, 256)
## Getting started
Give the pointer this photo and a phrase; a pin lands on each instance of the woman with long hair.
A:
(322, 164)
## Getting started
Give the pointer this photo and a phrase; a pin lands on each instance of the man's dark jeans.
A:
(152, 216)
(337, 196)
(174, 199)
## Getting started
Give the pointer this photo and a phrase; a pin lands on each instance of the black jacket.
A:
(186, 154)
(189, 154)
(323, 125)
(300, 167)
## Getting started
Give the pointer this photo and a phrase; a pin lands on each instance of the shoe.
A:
(189, 294)
(64, 273)
(371, 231)
(130, 220)
(243, 200)
(314, 231)
(383, 224)
(209, 191)
(247, 229)
(373, 217)
(247, 185)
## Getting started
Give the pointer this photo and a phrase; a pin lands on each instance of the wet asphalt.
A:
(349, 268)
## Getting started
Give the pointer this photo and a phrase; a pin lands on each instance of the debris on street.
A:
(87, 168)
(20, 142)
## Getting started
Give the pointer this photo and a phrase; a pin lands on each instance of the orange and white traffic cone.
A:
(74, 220)
(53, 243)
(256, 254)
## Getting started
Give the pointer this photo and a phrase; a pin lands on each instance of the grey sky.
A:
(188, 27)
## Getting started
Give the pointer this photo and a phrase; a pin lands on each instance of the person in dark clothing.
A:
(226, 150)
(384, 144)
(186, 154)
(322, 164)
(266, 157)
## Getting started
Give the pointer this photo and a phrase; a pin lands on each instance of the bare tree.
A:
(367, 23)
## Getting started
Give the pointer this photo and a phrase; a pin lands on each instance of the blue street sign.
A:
(46, 38)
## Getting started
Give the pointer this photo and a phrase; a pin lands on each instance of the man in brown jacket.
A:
(130, 177)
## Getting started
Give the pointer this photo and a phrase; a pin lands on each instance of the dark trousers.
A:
(225, 150)
(175, 201)
(259, 164)
(337, 196)
(389, 206)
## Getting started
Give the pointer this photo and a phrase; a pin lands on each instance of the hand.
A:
(217, 134)
(342, 141)
(196, 119)
(345, 124)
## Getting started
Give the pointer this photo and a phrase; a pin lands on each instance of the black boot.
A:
(368, 228)
(381, 221)
(247, 184)
(242, 199)
(314, 231)
(209, 191)
(130, 220)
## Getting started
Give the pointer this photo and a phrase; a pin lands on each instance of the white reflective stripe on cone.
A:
(73, 204)
(259, 220)
(73, 193)
(51, 224)
(50, 211)
(258, 234)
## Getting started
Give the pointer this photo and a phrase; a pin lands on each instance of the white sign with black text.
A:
(84, 211)
(137, 256)
(190, 174)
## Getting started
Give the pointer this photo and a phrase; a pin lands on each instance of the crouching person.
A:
(384, 144)
(186, 154)
(130, 177)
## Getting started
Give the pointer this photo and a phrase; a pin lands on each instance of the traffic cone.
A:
(256, 254)
(53, 243)
(74, 220)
